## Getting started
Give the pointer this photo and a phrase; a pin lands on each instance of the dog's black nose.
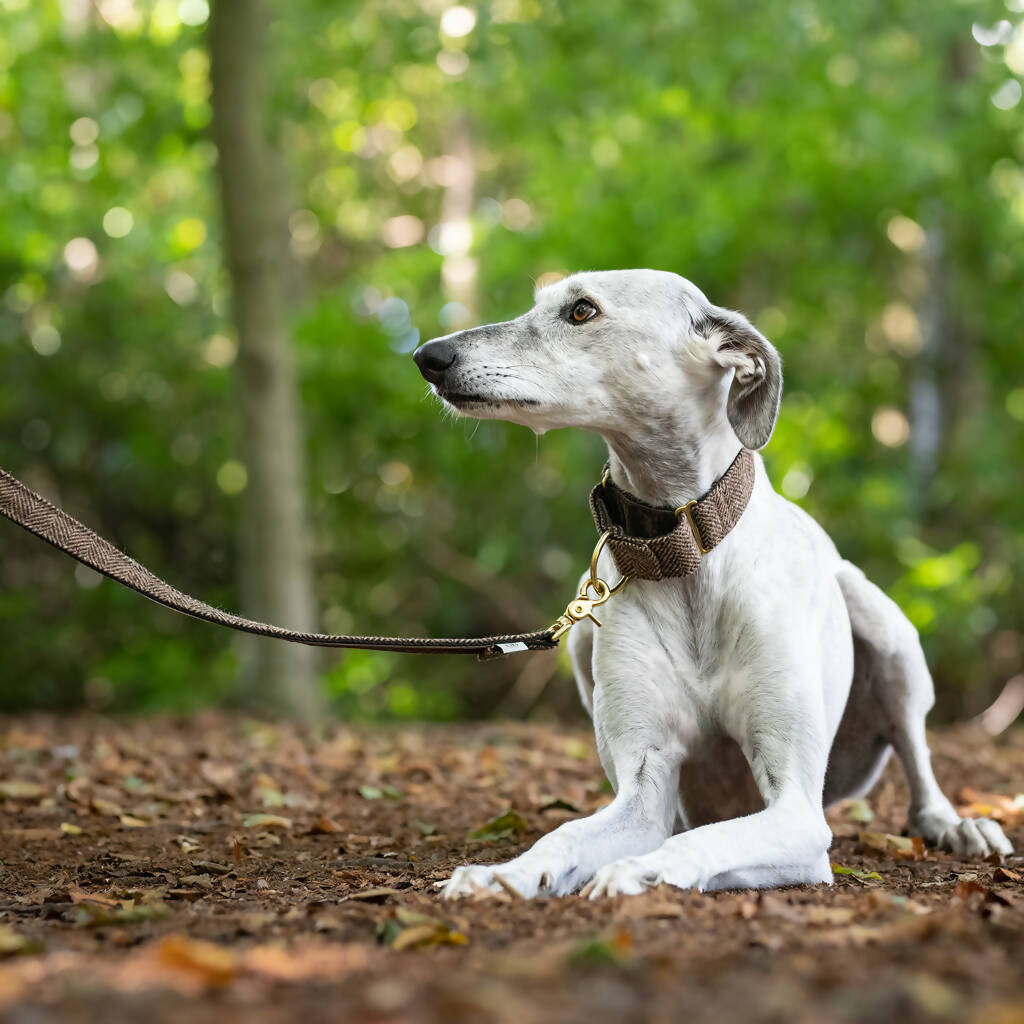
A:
(434, 358)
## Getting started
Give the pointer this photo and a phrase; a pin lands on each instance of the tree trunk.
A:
(275, 575)
(928, 412)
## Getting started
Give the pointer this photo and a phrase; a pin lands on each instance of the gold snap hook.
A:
(583, 605)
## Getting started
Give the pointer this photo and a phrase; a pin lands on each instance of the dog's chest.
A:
(700, 626)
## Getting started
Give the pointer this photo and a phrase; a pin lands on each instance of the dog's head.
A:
(617, 352)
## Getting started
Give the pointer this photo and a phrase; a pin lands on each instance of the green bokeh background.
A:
(789, 157)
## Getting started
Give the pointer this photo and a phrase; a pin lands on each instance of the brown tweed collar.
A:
(649, 542)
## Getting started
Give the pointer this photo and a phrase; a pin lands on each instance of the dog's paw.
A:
(469, 880)
(627, 877)
(478, 879)
(964, 837)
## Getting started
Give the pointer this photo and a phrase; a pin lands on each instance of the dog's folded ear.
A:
(756, 391)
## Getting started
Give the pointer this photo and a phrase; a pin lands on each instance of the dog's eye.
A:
(583, 311)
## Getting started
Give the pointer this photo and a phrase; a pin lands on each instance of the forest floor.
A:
(216, 867)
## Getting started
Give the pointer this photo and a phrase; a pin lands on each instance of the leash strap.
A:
(649, 542)
(43, 519)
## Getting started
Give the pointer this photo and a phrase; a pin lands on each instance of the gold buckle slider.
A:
(687, 510)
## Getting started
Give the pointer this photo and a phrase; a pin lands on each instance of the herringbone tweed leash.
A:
(37, 515)
(646, 541)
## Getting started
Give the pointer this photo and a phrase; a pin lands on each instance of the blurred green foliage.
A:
(792, 158)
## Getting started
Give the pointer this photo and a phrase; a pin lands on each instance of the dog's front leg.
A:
(784, 844)
(637, 821)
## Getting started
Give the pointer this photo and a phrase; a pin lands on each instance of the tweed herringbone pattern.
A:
(649, 542)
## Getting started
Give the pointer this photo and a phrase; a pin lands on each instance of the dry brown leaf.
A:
(78, 790)
(214, 964)
(970, 891)
(106, 807)
(660, 908)
(897, 847)
(421, 931)
(265, 821)
(376, 895)
(828, 915)
(325, 826)
(221, 775)
(18, 789)
(79, 895)
(999, 806)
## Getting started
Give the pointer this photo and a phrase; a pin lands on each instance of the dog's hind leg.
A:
(860, 751)
(892, 663)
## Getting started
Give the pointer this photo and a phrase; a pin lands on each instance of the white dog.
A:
(731, 705)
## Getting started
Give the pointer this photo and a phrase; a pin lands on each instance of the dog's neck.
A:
(671, 472)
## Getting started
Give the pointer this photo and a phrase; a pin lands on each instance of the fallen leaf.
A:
(423, 936)
(219, 774)
(213, 964)
(130, 821)
(212, 866)
(658, 908)
(599, 952)
(325, 826)
(128, 913)
(999, 806)
(370, 792)
(419, 931)
(508, 824)
(577, 749)
(898, 847)
(265, 821)
(857, 809)
(199, 881)
(270, 797)
(108, 807)
(839, 869)
(70, 830)
(426, 828)
(261, 840)
(966, 891)
(13, 943)
(828, 915)
(78, 789)
(79, 895)
(16, 789)
(377, 895)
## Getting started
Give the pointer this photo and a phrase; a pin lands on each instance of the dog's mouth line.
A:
(460, 398)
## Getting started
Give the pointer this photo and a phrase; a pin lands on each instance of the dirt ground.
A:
(219, 868)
